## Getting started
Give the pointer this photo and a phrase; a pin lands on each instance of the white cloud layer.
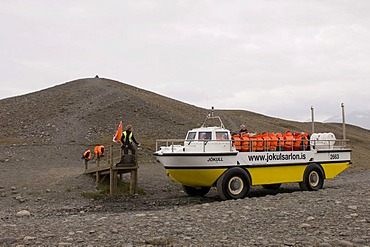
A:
(272, 57)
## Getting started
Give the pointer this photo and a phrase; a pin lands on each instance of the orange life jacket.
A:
(305, 140)
(245, 142)
(252, 143)
(300, 141)
(273, 142)
(280, 145)
(266, 141)
(236, 141)
(99, 150)
(288, 141)
(87, 155)
(259, 142)
(297, 141)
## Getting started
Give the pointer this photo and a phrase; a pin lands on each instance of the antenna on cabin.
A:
(313, 120)
(343, 123)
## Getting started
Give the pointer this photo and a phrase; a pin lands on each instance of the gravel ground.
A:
(57, 215)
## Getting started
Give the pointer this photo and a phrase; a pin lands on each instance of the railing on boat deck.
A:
(174, 143)
(251, 145)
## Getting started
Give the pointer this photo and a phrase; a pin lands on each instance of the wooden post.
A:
(111, 182)
(133, 182)
(97, 173)
(111, 155)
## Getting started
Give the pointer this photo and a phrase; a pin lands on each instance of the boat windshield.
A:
(205, 135)
(222, 135)
(191, 136)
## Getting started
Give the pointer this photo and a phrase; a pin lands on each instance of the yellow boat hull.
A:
(207, 177)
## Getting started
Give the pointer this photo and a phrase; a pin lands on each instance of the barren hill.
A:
(87, 111)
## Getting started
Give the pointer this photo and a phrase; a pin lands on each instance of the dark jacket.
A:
(127, 141)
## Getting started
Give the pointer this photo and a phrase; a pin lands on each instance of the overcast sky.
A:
(277, 58)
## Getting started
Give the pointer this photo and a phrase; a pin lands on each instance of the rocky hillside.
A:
(87, 111)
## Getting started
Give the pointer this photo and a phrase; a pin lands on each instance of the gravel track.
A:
(338, 215)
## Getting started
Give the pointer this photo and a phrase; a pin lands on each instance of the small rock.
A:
(64, 244)
(140, 215)
(157, 241)
(352, 207)
(324, 245)
(304, 225)
(345, 243)
(309, 218)
(29, 238)
(23, 213)
(358, 241)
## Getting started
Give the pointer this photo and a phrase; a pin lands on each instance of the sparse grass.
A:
(123, 188)
(68, 189)
(92, 195)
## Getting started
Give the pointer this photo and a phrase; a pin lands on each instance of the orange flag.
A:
(117, 136)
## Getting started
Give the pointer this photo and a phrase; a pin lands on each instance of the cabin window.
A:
(191, 136)
(205, 135)
(222, 135)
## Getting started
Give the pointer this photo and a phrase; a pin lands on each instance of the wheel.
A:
(313, 178)
(233, 184)
(271, 186)
(196, 191)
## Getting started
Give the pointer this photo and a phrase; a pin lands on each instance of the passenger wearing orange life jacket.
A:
(253, 142)
(305, 140)
(99, 151)
(280, 144)
(266, 141)
(245, 142)
(300, 141)
(260, 142)
(87, 155)
(288, 141)
(297, 141)
(273, 142)
(236, 141)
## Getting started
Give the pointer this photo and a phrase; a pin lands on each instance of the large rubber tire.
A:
(271, 186)
(313, 178)
(233, 184)
(196, 191)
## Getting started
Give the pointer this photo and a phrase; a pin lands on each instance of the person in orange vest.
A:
(288, 141)
(128, 141)
(87, 155)
(274, 141)
(99, 151)
(280, 144)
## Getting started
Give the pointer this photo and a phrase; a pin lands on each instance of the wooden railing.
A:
(114, 167)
